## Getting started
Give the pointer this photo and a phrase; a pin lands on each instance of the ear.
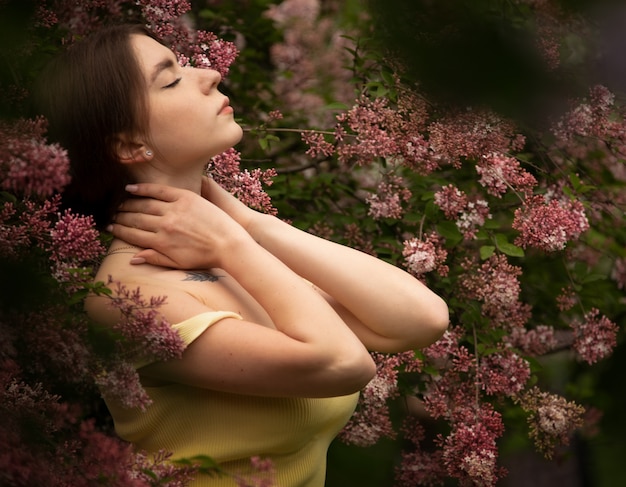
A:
(131, 151)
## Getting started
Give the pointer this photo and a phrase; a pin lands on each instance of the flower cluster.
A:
(503, 373)
(456, 205)
(74, 244)
(472, 135)
(388, 199)
(467, 184)
(495, 283)
(418, 466)
(30, 166)
(142, 324)
(246, 185)
(499, 173)
(372, 122)
(594, 337)
(309, 61)
(552, 419)
(371, 421)
(533, 342)
(427, 255)
(470, 451)
(618, 274)
(549, 223)
(264, 476)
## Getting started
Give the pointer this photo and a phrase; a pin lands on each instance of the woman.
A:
(278, 322)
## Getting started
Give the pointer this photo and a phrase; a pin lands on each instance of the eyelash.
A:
(174, 83)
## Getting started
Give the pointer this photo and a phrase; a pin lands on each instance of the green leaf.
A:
(593, 278)
(487, 251)
(512, 250)
(504, 246)
(450, 232)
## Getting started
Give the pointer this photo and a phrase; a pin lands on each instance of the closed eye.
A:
(173, 83)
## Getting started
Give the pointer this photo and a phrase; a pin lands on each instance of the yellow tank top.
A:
(230, 428)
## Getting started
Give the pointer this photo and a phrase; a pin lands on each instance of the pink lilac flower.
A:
(28, 165)
(589, 118)
(470, 451)
(357, 239)
(57, 349)
(417, 466)
(74, 239)
(149, 334)
(264, 476)
(310, 61)
(451, 200)
(534, 342)
(469, 215)
(618, 273)
(496, 284)
(368, 120)
(388, 199)
(427, 255)
(120, 382)
(500, 173)
(200, 48)
(11, 236)
(455, 386)
(28, 224)
(595, 337)
(446, 345)
(148, 468)
(567, 299)
(552, 419)
(288, 10)
(548, 224)
(322, 229)
(246, 185)
(503, 373)
(78, 17)
(101, 457)
(472, 218)
(472, 135)
(318, 146)
(371, 421)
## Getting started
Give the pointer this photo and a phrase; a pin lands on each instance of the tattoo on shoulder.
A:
(201, 276)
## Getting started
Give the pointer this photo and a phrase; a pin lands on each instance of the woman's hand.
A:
(177, 228)
(217, 195)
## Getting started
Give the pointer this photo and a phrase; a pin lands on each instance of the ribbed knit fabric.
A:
(230, 428)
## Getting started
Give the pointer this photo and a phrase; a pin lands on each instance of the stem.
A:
(476, 385)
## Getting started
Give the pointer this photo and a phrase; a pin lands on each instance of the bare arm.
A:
(386, 307)
(310, 353)
(400, 312)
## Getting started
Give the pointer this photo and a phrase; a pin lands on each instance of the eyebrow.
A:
(160, 67)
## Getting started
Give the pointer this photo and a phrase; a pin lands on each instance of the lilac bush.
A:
(518, 227)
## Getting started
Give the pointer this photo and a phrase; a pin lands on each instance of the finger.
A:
(151, 256)
(134, 236)
(157, 191)
(144, 205)
(141, 221)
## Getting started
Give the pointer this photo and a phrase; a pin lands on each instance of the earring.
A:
(149, 153)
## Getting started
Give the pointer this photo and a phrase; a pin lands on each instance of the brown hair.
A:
(90, 94)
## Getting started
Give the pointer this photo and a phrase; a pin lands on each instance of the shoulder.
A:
(175, 294)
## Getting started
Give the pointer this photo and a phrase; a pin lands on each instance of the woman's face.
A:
(189, 120)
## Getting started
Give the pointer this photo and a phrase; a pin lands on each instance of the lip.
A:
(226, 108)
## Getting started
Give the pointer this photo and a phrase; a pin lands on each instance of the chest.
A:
(219, 291)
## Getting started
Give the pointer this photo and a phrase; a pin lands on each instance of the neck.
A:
(190, 179)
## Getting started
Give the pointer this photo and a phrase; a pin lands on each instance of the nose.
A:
(209, 79)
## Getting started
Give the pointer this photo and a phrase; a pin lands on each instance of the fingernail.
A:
(137, 260)
(131, 188)
(109, 228)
